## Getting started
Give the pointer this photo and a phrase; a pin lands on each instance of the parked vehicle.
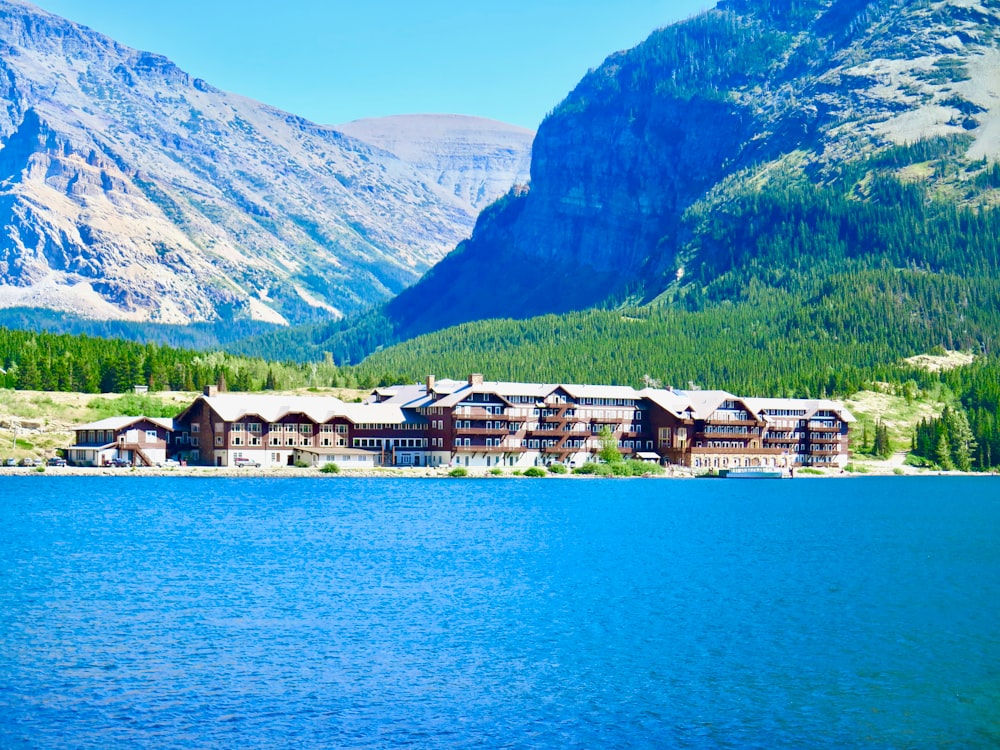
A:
(10, 462)
(119, 462)
(57, 461)
(27, 462)
(242, 461)
(169, 463)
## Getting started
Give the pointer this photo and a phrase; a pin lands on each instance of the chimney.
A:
(476, 378)
(430, 384)
(211, 390)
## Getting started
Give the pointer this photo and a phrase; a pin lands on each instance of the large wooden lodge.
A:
(478, 423)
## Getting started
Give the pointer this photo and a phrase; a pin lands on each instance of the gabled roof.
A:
(411, 396)
(379, 414)
(502, 390)
(668, 400)
(232, 407)
(120, 423)
(810, 406)
(704, 403)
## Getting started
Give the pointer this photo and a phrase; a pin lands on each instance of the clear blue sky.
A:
(333, 61)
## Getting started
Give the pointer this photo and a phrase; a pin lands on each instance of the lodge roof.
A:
(231, 407)
(120, 423)
(271, 408)
(668, 400)
(809, 406)
(704, 403)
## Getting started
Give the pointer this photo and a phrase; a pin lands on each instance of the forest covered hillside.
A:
(766, 144)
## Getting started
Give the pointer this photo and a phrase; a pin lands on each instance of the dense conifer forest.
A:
(63, 362)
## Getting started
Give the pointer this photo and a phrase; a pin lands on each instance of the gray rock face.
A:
(471, 158)
(129, 189)
(750, 87)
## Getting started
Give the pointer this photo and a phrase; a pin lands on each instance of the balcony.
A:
(817, 427)
(477, 412)
(709, 424)
(489, 449)
(833, 440)
(482, 431)
(711, 433)
(740, 451)
(607, 420)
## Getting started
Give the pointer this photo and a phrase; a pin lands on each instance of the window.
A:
(237, 427)
(194, 440)
(195, 427)
(151, 436)
(306, 429)
(342, 429)
(218, 441)
(254, 427)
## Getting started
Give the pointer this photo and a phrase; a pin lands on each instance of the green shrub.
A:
(810, 470)
(558, 469)
(330, 468)
(497, 472)
(459, 471)
(534, 471)
(594, 468)
(642, 468)
(301, 465)
(898, 472)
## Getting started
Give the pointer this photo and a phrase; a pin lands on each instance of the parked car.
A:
(10, 462)
(242, 461)
(119, 462)
(169, 463)
(57, 461)
(27, 461)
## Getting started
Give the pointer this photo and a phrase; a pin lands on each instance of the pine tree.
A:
(942, 454)
(883, 447)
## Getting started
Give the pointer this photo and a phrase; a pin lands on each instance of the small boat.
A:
(752, 472)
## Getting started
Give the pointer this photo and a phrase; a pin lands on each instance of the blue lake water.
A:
(370, 613)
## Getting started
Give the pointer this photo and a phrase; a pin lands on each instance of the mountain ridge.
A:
(748, 89)
(133, 190)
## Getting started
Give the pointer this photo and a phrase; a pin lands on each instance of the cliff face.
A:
(752, 86)
(129, 189)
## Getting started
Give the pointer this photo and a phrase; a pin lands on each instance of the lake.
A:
(516, 613)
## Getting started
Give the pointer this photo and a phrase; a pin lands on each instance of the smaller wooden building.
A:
(137, 441)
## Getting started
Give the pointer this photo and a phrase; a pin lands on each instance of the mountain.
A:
(475, 160)
(752, 98)
(131, 190)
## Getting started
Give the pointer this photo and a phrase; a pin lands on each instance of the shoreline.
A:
(412, 473)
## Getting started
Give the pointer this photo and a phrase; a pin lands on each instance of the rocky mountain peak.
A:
(131, 189)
